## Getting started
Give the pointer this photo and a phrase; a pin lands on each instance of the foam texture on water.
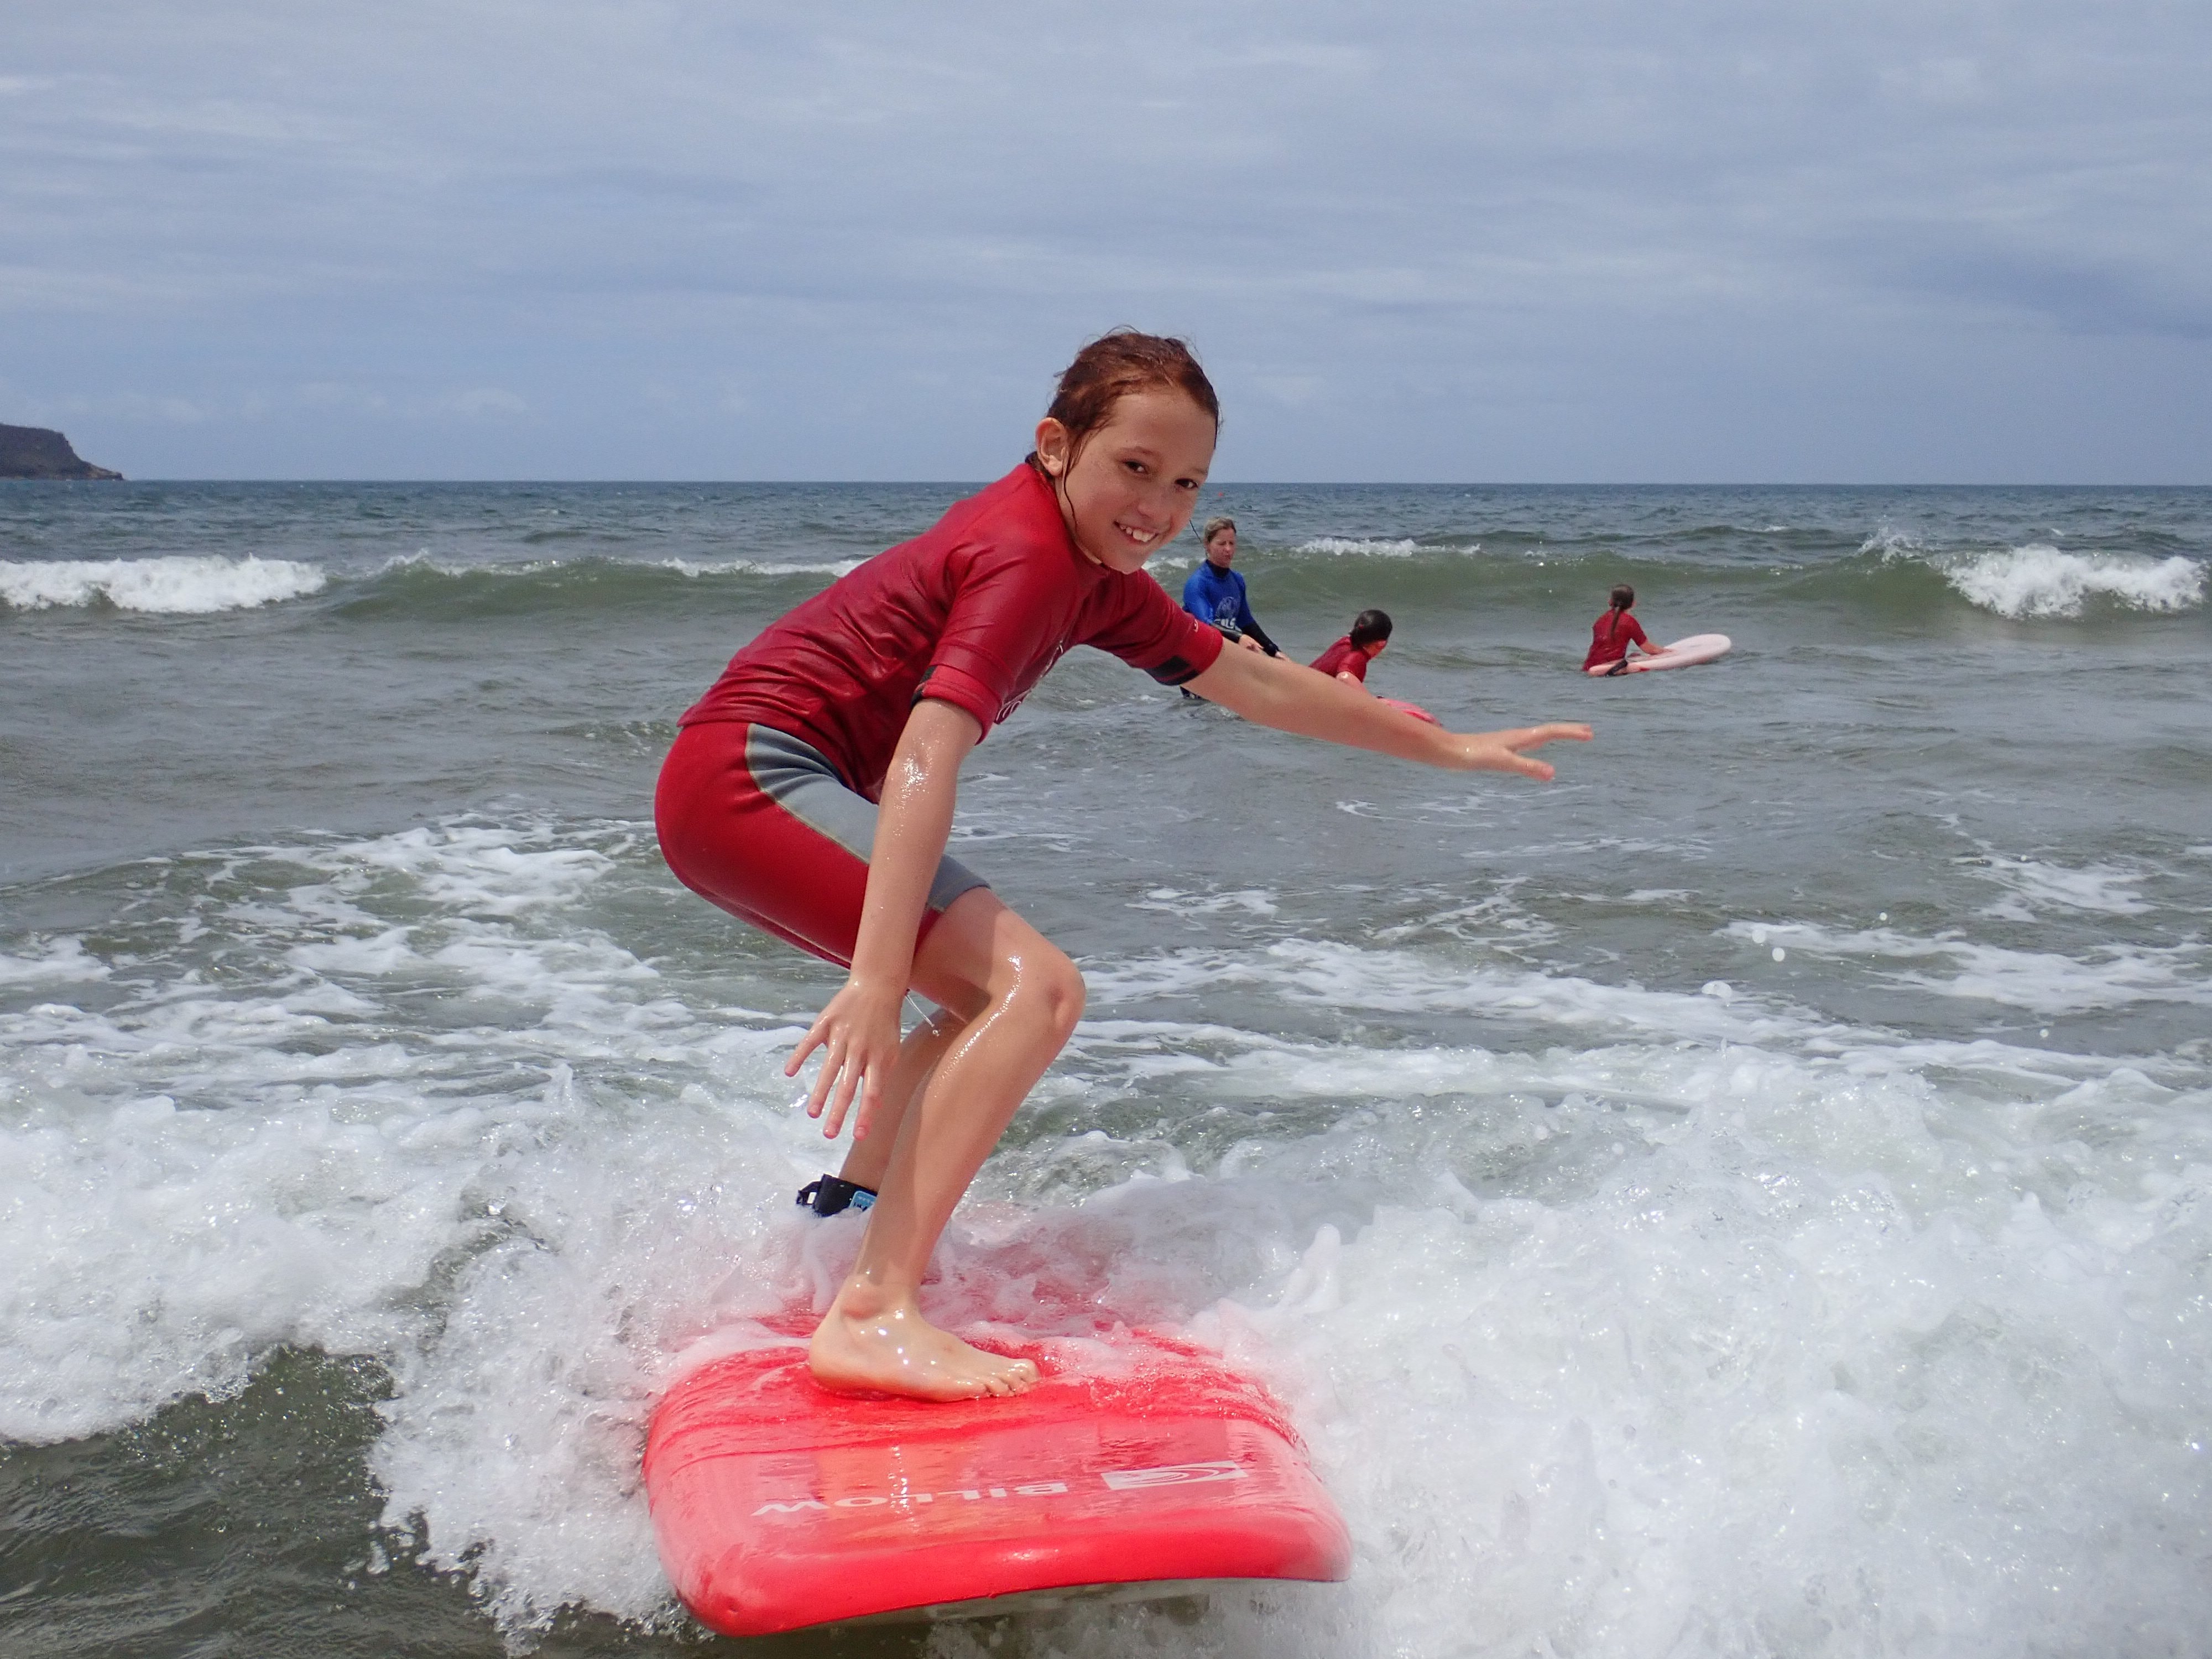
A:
(1702, 1324)
(178, 585)
(2041, 580)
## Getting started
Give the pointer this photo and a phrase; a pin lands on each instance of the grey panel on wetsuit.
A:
(800, 779)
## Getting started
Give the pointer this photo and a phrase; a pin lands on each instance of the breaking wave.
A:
(175, 585)
(1368, 547)
(2040, 580)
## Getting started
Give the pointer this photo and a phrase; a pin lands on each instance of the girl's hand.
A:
(1500, 751)
(1290, 698)
(859, 1035)
(859, 1032)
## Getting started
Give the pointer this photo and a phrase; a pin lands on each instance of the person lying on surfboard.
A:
(1615, 632)
(810, 792)
(1348, 658)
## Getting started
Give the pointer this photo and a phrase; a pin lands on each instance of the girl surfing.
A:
(811, 792)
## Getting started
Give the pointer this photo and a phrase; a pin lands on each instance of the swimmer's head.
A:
(1127, 445)
(1623, 596)
(1219, 538)
(1120, 362)
(1371, 628)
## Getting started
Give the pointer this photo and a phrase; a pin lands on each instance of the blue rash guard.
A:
(1216, 597)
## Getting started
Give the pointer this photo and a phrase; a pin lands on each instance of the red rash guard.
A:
(1344, 657)
(1609, 637)
(972, 612)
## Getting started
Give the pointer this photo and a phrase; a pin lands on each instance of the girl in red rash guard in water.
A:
(811, 792)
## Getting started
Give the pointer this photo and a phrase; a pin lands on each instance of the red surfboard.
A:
(1147, 1469)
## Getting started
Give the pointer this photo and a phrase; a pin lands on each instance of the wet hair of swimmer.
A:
(1369, 626)
(1117, 363)
(1623, 596)
(1214, 527)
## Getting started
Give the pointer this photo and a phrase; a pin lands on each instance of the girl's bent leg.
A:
(869, 1157)
(1027, 997)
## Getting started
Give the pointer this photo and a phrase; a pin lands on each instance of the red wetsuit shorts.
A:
(758, 823)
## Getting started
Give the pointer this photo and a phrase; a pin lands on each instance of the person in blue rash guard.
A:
(1215, 594)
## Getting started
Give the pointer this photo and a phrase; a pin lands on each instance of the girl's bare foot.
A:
(892, 1349)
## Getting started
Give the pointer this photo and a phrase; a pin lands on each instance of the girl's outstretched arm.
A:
(859, 1031)
(1274, 692)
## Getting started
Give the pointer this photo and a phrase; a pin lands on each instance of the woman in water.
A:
(811, 792)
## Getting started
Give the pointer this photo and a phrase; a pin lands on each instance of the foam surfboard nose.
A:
(779, 1505)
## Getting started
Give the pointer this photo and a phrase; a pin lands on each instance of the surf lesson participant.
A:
(811, 792)
(1216, 595)
(1609, 631)
(1348, 658)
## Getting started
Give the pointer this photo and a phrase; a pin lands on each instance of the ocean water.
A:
(1753, 1196)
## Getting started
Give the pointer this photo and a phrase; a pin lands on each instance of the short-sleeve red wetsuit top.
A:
(1609, 637)
(972, 612)
(1344, 657)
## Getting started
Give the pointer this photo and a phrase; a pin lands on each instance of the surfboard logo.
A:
(867, 1500)
(1173, 1474)
(1164, 1474)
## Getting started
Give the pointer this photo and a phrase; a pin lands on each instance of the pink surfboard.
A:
(1414, 709)
(1683, 653)
(1148, 1470)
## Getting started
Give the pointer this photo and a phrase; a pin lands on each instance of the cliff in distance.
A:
(34, 452)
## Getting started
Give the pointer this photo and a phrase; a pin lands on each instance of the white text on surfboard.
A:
(1170, 1474)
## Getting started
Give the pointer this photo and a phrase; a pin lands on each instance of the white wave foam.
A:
(1249, 900)
(2044, 982)
(56, 962)
(2041, 580)
(1368, 546)
(180, 585)
(1890, 542)
(197, 1173)
(1699, 1396)
(1703, 1316)
(1330, 975)
(2034, 884)
(762, 567)
(1637, 1368)
(423, 559)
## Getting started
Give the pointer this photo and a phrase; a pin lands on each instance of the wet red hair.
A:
(1118, 363)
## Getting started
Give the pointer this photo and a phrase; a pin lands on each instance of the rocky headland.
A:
(36, 452)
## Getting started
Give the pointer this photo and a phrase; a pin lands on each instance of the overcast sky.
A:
(1907, 241)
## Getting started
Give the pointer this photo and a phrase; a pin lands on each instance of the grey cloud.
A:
(1412, 215)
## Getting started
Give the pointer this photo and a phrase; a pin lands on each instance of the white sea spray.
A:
(1710, 1322)
(1385, 547)
(2041, 580)
(1747, 1197)
(2044, 581)
(178, 585)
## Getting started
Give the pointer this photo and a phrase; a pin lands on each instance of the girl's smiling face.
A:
(1127, 489)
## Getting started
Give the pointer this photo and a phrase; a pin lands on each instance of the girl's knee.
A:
(1057, 992)
(1072, 994)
